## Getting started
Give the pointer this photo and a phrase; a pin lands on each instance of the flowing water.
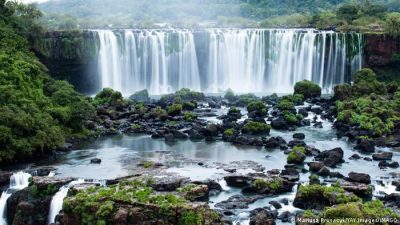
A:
(58, 199)
(211, 61)
(18, 181)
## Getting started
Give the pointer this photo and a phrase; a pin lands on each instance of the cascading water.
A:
(245, 60)
(18, 181)
(58, 200)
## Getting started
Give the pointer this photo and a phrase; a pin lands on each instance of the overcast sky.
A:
(30, 1)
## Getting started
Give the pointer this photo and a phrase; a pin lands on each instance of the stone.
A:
(359, 178)
(382, 156)
(169, 183)
(238, 180)
(95, 161)
(315, 166)
(275, 204)
(263, 216)
(365, 145)
(331, 157)
(300, 136)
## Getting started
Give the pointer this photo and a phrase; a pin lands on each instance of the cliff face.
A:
(379, 49)
(72, 56)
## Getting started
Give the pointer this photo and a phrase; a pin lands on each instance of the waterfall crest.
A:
(244, 60)
(18, 181)
(58, 200)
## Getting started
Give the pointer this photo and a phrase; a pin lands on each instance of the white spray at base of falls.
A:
(244, 60)
(18, 181)
(58, 200)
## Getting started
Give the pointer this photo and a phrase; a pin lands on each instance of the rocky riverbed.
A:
(234, 160)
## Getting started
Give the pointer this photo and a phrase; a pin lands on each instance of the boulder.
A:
(382, 156)
(263, 216)
(169, 183)
(331, 157)
(300, 136)
(365, 145)
(359, 178)
(238, 180)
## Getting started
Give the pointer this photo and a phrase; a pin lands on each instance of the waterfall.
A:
(58, 200)
(244, 60)
(159, 61)
(18, 181)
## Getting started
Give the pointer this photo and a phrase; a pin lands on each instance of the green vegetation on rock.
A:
(307, 88)
(252, 127)
(297, 155)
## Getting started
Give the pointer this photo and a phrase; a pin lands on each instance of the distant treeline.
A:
(64, 14)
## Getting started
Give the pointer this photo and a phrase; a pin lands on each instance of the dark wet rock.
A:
(392, 141)
(311, 151)
(359, 178)
(170, 138)
(382, 156)
(169, 183)
(303, 112)
(279, 124)
(243, 140)
(290, 174)
(238, 180)
(95, 161)
(212, 184)
(121, 216)
(286, 217)
(360, 189)
(336, 174)
(317, 110)
(324, 172)
(368, 159)
(318, 124)
(42, 183)
(385, 164)
(294, 143)
(238, 202)
(211, 130)
(230, 170)
(284, 201)
(274, 142)
(397, 184)
(275, 204)
(331, 157)
(263, 216)
(392, 200)
(315, 166)
(195, 135)
(365, 145)
(179, 134)
(66, 147)
(355, 157)
(5, 177)
(300, 136)
(274, 172)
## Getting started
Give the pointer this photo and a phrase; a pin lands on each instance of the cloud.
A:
(32, 1)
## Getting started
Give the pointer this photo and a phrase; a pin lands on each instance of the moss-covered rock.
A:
(101, 205)
(307, 88)
(365, 83)
(317, 196)
(342, 91)
(174, 109)
(297, 155)
(252, 127)
(257, 109)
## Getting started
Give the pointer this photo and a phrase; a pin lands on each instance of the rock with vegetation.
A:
(133, 201)
(307, 88)
(253, 127)
(317, 196)
(297, 155)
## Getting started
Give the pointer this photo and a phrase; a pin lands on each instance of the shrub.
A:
(229, 132)
(258, 107)
(307, 88)
(342, 91)
(189, 116)
(285, 105)
(174, 110)
(256, 128)
(365, 83)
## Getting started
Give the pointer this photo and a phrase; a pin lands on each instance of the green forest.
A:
(362, 15)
